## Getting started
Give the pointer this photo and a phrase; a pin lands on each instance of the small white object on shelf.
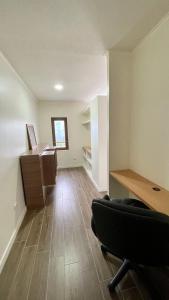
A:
(87, 122)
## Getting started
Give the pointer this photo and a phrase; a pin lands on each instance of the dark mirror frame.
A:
(32, 142)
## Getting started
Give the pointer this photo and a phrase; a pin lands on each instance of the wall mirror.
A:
(31, 136)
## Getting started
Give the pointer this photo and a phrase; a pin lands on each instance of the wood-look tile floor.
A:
(56, 256)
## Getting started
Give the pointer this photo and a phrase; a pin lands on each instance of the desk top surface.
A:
(39, 149)
(151, 194)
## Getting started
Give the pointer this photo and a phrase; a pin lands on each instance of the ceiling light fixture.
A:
(58, 87)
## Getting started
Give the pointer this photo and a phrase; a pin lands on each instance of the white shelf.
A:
(87, 150)
(87, 122)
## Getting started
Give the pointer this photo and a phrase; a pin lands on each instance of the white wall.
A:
(77, 134)
(99, 141)
(119, 116)
(119, 108)
(103, 142)
(139, 108)
(95, 139)
(149, 135)
(17, 107)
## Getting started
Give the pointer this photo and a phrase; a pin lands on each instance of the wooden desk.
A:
(143, 189)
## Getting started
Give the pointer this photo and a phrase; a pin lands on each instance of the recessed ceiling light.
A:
(58, 87)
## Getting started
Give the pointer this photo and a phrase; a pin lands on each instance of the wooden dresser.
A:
(38, 167)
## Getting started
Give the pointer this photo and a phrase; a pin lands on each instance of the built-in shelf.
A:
(95, 138)
(87, 156)
(87, 149)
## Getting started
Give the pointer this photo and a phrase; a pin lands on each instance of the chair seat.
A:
(128, 229)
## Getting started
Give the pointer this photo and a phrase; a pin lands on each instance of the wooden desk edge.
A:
(116, 173)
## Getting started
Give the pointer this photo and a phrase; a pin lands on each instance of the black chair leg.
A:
(104, 249)
(120, 274)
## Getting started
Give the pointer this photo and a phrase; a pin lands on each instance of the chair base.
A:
(119, 275)
(104, 249)
(125, 267)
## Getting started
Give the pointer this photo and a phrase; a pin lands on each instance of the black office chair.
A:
(132, 232)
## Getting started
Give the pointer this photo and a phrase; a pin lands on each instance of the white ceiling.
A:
(50, 41)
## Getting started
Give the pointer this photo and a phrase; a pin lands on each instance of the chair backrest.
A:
(137, 234)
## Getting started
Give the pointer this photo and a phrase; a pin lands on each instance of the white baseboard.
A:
(69, 167)
(99, 189)
(11, 241)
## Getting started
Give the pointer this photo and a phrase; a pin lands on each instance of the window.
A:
(60, 133)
